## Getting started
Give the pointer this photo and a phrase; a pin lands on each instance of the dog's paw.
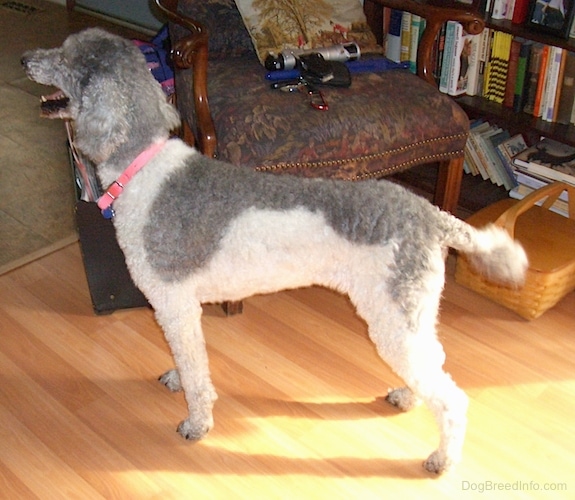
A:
(171, 379)
(193, 431)
(437, 463)
(402, 398)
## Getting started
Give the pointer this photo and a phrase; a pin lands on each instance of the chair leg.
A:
(232, 308)
(448, 184)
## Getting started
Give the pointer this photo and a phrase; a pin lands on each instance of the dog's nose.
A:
(24, 61)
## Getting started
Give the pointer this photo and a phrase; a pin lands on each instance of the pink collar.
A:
(105, 201)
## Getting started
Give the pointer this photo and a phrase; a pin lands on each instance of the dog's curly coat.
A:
(196, 230)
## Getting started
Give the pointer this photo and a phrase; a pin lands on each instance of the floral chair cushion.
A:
(384, 123)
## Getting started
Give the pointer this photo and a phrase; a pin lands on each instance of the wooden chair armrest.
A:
(436, 13)
(192, 52)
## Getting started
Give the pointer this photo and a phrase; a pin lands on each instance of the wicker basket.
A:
(548, 239)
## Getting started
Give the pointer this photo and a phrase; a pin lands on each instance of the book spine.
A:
(393, 45)
(405, 36)
(488, 154)
(508, 173)
(521, 79)
(533, 78)
(447, 56)
(553, 67)
(473, 148)
(485, 38)
(487, 90)
(439, 49)
(414, 42)
(510, 9)
(547, 172)
(567, 97)
(560, 207)
(499, 9)
(512, 73)
(457, 80)
(520, 11)
(535, 183)
(498, 67)
(559, 84)
(473, 69)
(537, 108)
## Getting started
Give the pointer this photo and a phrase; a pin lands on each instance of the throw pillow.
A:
(305, 24)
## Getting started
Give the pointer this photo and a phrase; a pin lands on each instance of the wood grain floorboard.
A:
(301, 410)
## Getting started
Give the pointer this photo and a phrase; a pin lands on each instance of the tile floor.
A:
(36, 184)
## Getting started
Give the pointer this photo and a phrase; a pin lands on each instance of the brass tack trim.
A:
(374, 156)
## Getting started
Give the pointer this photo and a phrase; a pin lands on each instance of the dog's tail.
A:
(490, 250)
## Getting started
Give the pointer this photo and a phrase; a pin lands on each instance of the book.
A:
(487, 153)
(534, 183)
(553, 72)
(499, 9)
(548, 159)
(503, 151)
(567, 97)
(459, 72)
(510, 9)
(473, 148)
(439, 47)
(560, 206)
(520, 91)
(512, 147)
(505, 172)
(474, 65)
(532, 78)
(538, 106)
(484, 51)
(416, 31)
(498, 67)
(512, 72)
(520, 11)
(448, 55)
(405, 36)
(480, 148)
(559, 85)
(393, 38)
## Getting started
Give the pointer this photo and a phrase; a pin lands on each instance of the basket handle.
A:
(552, 192)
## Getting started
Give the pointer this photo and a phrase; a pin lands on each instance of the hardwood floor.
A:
(300, 412)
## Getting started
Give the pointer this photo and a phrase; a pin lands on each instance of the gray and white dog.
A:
(195, 230)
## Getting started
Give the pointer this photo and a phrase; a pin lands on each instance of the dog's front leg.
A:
(183, 331)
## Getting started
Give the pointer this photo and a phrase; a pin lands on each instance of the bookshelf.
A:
(531, 127)
(479, 107)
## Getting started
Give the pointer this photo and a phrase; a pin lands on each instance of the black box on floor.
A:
(111, 286)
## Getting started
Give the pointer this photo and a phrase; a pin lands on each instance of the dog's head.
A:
(106, 88)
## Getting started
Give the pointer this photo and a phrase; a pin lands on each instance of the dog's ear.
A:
(101, 122)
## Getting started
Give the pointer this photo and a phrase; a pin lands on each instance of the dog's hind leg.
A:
(417, 357)
(183, 331)
(409, 345)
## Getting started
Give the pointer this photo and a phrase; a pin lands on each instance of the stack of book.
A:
(548, 161)
(489, 152)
